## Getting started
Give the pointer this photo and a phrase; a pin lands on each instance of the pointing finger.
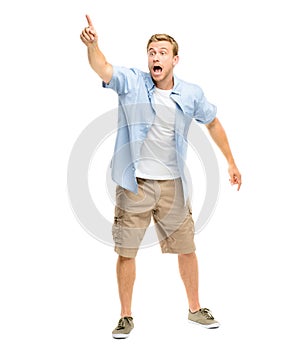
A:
(89, 21)
(239, 184)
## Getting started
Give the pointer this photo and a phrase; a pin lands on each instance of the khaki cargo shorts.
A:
(162, 200)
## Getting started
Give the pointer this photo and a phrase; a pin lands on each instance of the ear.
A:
(175, 60)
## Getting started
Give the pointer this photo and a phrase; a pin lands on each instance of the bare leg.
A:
(188, 267)
(126, 272)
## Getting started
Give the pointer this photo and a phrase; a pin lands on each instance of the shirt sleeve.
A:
(204, 111)
(122, 79)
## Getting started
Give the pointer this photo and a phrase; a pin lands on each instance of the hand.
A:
(235, 176)
(89, 35)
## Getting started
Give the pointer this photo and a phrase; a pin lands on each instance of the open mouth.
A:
(157, 69)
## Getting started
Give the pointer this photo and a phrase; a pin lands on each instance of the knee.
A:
(187, 256)
(123, 259)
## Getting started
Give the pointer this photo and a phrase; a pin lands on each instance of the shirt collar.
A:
(151, 86)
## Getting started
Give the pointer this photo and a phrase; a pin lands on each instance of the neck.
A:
(165, 84)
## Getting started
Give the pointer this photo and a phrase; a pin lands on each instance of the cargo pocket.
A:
(191, 217)
(117, 226)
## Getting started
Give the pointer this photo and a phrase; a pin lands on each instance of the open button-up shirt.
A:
(136, 113)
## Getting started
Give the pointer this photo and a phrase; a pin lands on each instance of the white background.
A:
(58, 286)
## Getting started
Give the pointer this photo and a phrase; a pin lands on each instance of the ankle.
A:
(194, 310)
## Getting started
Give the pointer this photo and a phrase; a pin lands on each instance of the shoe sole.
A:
(208, 326)
(120, 336)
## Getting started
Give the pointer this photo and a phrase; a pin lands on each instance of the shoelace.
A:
(206, 313)
(122, 324)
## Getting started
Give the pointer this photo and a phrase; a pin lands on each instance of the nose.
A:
(156, 57)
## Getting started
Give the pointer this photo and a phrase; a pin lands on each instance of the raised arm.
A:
(96, 58)
(219, 136)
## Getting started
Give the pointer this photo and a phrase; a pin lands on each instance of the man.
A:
(155, 112)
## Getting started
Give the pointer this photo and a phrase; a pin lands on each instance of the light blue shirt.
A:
(136, 114)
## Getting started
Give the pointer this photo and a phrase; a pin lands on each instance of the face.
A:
(161, 62)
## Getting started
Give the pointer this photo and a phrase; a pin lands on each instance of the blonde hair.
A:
(164, 37)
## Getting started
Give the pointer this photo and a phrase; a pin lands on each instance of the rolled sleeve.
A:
(205, 112)
(121, 79)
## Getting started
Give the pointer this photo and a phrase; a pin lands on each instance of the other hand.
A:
(235, 176)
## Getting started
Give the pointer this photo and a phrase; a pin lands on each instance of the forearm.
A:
(219, 136)
(99, 63)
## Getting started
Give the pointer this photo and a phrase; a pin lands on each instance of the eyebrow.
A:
(161, 48)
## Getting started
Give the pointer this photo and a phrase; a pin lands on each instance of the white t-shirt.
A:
(158, 159)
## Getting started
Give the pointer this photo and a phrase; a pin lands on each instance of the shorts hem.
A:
(173, 251)
(126, 252)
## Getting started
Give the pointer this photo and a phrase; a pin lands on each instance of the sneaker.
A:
(124, 328)
(204, 318)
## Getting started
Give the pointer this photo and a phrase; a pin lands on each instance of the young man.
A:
(155, 112)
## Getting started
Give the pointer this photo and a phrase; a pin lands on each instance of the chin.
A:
(157, 77)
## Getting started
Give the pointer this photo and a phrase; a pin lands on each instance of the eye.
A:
(151, 53)
(163, 53)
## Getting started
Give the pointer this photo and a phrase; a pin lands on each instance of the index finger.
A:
(239, 185)
(89, 21)
(238, 182)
